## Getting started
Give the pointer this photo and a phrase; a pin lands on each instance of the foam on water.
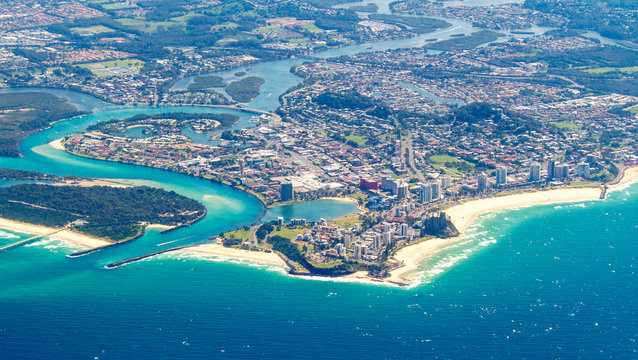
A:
(8, 235)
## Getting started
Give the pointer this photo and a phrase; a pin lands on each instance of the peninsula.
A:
(90, 213)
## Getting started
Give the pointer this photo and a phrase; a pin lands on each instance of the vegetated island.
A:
(167, 123)
(465, 42)
(207, 81)
(246, 89)
(25, 113)
(111, 214)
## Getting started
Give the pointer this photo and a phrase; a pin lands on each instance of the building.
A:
(347, 241)
(425, 193)
(561, 171)
(582, 169)
(446, 181)
(377, 242)
(298, 222)
(436, 190)
(357, 251)
(402, 190)
(387, 237)
(501, 175)
(404, 229)
(287, 192)
(482, 183)
(535, 172)
(369, 184)
(386, 183)
(551, 168)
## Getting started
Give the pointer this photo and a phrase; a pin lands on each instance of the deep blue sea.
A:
(556, 281)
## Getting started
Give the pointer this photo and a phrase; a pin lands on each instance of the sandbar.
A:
(57, 144)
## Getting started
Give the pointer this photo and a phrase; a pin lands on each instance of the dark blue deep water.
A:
(541, 282)
(555, 281)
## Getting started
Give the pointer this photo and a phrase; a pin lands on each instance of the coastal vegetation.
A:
(439, 225)
(246, 89)
(101, 211)
(26, 113)
(165, 123)
(16, 174)
(205, 82)
(419, 25)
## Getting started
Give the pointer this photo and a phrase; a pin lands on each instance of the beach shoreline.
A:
(463, 215)
(85, 241)
(217, 249)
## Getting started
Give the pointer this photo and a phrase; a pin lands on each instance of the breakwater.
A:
(109, 246)
(141, 257)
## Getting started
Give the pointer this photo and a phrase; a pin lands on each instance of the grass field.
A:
(105, 67)
(312, 28)
(184, 18)
(117, 6)
(225, 26)
(239, 234)
(602, 70)
(566, 126)
(98, 29)
(290, 233)
(347, 221)
(360, 140)
(268, 28)
(583, 184)
(633, 109)
(146, 26)
(442, 159)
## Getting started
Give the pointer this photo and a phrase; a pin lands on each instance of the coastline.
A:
(630, 175)
(463, 215)
(74, 237)
(221, 251)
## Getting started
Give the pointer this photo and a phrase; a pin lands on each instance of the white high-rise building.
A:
(347, 241)
(425, 194)
(481, 183)
(535, 172)
(446, 181)
(436, 190)
(582, 169)
(501, 175)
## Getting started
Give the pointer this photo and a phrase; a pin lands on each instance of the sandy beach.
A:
(219, 250)
(463, 215)
(57, 144)
(629, 176)
(65, 235)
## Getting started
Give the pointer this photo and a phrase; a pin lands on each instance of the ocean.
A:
(553, 281)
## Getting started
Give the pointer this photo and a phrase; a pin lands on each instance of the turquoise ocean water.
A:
(540, 282)
(555, 281)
